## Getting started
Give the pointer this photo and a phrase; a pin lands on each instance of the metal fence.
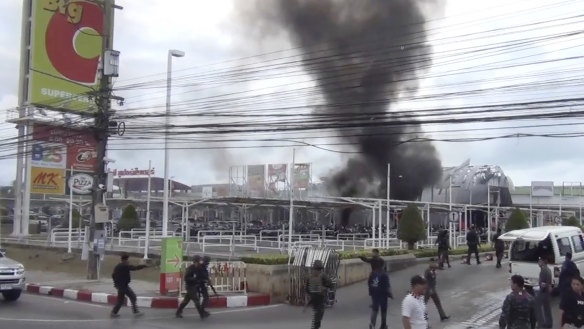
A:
(226, 277)
(302, 260)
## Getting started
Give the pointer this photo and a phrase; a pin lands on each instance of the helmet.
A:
(317, 265)
(206, 259)
(196, 259)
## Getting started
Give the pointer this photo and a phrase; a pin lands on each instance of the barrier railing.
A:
(226, 277)
(234, 241)
(283, 238)
(62, 236)
(219, 233)
(270, 237)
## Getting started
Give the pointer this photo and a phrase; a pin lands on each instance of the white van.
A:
(551, 242)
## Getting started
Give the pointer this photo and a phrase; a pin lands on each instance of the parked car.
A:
(12, 278)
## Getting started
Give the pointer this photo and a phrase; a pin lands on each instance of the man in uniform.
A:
(191, 285)
(430, 276)
(380, 291)
(472, 240)
(443, 247)
(316, 286)
(544, 297)
(499, 248)
(121, 277)
(518, 310)
(203, 280)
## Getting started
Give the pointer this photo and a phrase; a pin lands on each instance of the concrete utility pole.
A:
(102, 123)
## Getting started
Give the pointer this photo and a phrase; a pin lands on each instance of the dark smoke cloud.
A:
(363, 54)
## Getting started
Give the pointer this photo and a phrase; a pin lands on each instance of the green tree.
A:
(573, 221)
(411, 226)
(516, 221)
(129, 219)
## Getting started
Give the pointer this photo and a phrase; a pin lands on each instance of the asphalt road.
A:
(471, 294)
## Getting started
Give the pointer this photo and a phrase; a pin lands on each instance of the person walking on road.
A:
(191, 286)
(203, 282)
(414, 314)
(430, 276)
(121, 277)
(518, 310)
(380, 291)
(572, 305)
(473, 243)
(443, 247)
(376, 261)
(569, 271)
(545, 295)
(316, 286)
(499, 248)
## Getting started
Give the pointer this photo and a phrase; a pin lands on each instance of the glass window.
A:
(564, 246)
(531, 251)
(578, 242)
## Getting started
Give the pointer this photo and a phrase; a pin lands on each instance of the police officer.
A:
(121, 277)
(190, 281)
(518, 308)
(443, 247)
(316, 286)
(472, 241)
(202, 281)
(499, 248)
(430, 276)
(376, 261)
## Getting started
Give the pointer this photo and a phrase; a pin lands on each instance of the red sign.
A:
(81, 144)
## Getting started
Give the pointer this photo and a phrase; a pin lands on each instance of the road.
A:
(471, 294)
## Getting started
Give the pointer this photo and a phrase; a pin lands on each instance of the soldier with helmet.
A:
(191, 286)
(202, 281)
(316, 286)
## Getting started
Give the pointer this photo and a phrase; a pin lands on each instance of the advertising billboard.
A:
(276, 174)
(543, 189)
(57, 150)
(256, 180)
(47, 181)
(170, 264)
(65, 51)
(301, 175)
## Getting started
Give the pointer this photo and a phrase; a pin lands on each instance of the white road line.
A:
(171, 315)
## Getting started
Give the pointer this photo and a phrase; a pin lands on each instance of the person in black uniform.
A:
(190, 281)
(472, 240)
(376, 261)
(572, 305)
(431, 292)
(443, 247)
(499, 248)
(316, 286)
(202, 282)
(121, 277)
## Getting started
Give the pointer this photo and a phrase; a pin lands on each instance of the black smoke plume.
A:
(363, 55)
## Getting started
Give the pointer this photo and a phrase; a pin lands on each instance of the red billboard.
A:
(80, 144)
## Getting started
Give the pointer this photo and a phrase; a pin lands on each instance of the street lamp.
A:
(171, 53)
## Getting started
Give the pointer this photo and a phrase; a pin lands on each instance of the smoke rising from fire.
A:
(363, 55)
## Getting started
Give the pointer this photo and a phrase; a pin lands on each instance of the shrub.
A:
(516, 221)
(77, 220)
(129, 219)
(573, 221)
(411, 226)
(269, 259)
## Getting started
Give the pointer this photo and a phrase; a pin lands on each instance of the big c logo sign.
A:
(66, 46)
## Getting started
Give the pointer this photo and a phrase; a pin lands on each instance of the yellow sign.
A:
(47, 181)
(66, 47)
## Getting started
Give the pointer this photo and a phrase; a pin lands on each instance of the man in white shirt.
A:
(414, 314)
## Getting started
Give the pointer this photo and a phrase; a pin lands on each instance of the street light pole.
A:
(291, 216)
(171, 53)
(388, 203)
(147, 241)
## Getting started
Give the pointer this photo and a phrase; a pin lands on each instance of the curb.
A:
(145, 302)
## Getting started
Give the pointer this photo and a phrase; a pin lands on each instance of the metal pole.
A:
(147, 242)
(450, 228)
(531, 208)
(497, 209)
(291, 215)
(70, 182)
(388, 202)
(489, 212)
(166, 151)
(379, 213)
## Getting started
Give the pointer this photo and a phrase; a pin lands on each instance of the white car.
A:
(11, 278)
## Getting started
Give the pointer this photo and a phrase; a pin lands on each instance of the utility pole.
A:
(102, 124)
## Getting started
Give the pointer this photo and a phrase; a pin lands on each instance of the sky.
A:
(214, 36)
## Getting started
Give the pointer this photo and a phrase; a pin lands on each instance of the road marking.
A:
(248, 309)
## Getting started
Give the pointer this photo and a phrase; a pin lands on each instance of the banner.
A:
(171, 259)
(301, 175)
(47, 181)
(277, 172)
(55, 150)
(65, 51)
(256, 180)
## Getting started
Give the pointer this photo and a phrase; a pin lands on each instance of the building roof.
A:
(138, 184)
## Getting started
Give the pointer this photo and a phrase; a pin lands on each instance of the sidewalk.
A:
(64, 285)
